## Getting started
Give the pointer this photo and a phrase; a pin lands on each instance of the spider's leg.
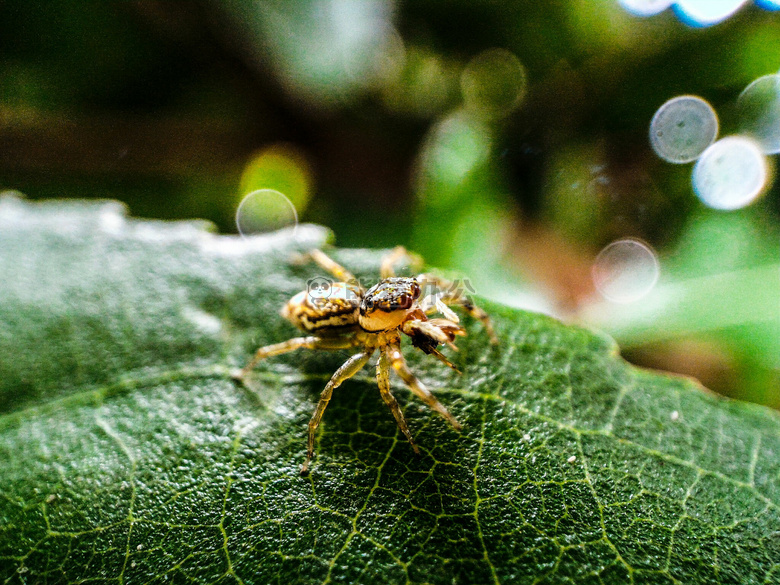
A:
(478, 313)
(337, 270)
(399, 365)
(348, 369)
(383, 380)
(396, 255)
(452, 295)
(433, 304)
(292, 345)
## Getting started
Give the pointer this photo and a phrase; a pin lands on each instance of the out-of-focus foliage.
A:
(507, 141)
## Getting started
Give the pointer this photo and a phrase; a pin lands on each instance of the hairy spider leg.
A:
(397, 254)
(293, 344)
(383, 380)
(432, 304)
(337, 270)
(452, 295)
(399, 365)
(348, 369)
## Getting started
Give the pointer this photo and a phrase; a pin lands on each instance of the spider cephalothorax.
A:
(388, 303)
(340, 315)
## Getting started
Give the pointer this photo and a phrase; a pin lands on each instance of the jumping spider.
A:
(342, 315)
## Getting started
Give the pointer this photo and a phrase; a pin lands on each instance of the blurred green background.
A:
(505, 141)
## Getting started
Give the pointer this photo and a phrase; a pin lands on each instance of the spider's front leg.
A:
(399, 365)
(397, 254)
(337, 270)
(452, 295)
(348, 369)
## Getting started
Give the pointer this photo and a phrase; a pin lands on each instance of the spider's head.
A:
(386, 304)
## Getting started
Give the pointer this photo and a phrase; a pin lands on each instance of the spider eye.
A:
(403, 302)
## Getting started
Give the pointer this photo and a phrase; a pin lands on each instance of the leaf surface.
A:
(130, 456)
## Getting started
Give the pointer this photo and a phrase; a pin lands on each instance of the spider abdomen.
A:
(315, 311)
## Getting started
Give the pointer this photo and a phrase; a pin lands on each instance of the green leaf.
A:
(129, 455)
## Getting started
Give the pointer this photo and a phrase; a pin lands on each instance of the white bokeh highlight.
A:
(263, 211)
(683, 128)
(731, 173)
(695, 13)
(759, 112)
(625, 271)
(645, 7)
(706, 12)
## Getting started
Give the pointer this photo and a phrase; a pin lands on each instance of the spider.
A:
(342, 315)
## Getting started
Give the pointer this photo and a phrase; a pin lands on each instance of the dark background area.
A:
(503, 141)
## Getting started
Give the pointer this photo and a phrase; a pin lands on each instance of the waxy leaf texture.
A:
(128, 454)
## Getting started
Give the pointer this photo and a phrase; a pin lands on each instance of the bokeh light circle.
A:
(282, 167)
(695, 13)
(683, 128)
(625, 271)
(731, 173)
(454, 148)
(263, 211)
(759, 110)
(701, 13)
(645, 7)
(493, 83)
